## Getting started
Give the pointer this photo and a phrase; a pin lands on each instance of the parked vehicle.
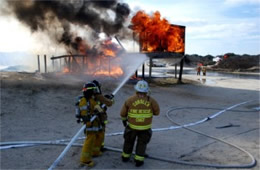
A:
(157, 63)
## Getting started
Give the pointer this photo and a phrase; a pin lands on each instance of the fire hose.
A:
(64, 141)
(249, 165)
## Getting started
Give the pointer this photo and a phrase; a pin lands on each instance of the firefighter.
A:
(103, 116)
(88, 109)
(204, 70)
(198, 68)
(137, 113)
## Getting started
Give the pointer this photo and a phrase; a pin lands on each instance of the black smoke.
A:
(106, 16)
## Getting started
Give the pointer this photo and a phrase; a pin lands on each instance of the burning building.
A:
(158, 35)
(157, 38)
(102, 59)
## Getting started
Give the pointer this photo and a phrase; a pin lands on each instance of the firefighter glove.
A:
(113, 101)
(109, 96)
(105, 108)
(88, 124)
(79, 120)
(98, 109)
(124, 122)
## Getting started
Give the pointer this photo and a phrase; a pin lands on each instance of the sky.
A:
(213, 27)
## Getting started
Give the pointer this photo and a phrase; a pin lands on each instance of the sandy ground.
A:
(37, 107)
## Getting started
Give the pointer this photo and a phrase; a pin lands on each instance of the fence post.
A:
(175, 71)
(53, 67)
(39, 68)
(45, 63)
(150, 67)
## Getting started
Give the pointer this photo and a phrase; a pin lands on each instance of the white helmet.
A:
(142, 86)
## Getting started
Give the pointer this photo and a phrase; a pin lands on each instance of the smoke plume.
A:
(52, 16)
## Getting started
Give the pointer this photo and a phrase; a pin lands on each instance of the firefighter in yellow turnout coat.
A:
(89, 110)
(137, 113)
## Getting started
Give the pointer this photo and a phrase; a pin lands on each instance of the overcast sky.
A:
(213, 27)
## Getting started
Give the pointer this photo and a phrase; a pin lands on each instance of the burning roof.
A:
(156, 34)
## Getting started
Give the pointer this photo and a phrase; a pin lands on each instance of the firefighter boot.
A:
(88, 164)
(97, 154)
(103, 149)
(138, 163)
(125, 159)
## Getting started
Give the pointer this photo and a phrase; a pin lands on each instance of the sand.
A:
(40, 107)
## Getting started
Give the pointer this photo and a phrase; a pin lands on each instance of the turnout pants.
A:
(102, 138)
(143, 137)
(91, 146)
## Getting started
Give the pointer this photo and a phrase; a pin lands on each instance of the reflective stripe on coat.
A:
(139, 111)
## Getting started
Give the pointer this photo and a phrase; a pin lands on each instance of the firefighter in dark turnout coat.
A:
(137, 113)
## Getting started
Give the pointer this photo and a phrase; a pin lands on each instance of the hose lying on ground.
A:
(7, 145)
(249, 165)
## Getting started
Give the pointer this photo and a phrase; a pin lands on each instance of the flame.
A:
(66, 70)
(156, 34)
(114, 72)
(109, 48)
(100, 60)
(109, 52)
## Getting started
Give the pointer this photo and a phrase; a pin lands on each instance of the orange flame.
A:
(156, 34)
(109, 52)
(100, 60)
(114, 72)
(66, 70)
